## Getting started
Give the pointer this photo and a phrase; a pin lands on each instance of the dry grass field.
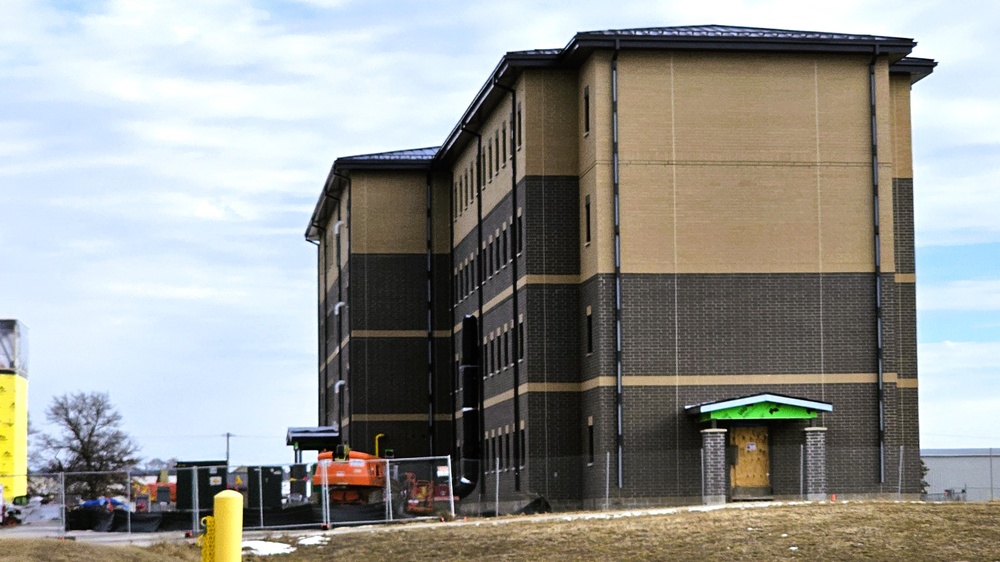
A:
(843, 531)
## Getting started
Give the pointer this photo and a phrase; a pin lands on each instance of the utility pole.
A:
(228, 435)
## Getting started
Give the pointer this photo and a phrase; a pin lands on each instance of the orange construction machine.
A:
(353, 477)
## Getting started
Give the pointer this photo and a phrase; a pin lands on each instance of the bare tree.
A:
(90, 440)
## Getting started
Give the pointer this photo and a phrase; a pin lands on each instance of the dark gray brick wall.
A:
(390, 292)
(902, 224)
(815, 461)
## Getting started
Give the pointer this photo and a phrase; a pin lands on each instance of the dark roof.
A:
(395, 155)
(729, 31)
(323, 438)
(692, 37)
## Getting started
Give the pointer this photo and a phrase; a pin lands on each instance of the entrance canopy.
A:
(759, 407)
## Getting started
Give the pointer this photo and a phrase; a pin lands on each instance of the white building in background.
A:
(970, 474)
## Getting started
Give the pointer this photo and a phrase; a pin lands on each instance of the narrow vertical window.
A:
(496, 142)
(586, 109)
(503, 142)
(520, 234)
(590, 441)
(590, 332)
(498, 251)
(522, 450)
(506, 248)
(586, 212)
(490, 165)
(506, 439)
(506, 349)
(520, 126)
(496, 453)
(520, 339)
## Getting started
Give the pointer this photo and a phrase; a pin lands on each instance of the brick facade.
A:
(745, 265)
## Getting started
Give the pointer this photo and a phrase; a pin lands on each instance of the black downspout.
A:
(431, 389)
(515, 237)
(479, 280)
(878, 271)
(619, 410)
(456, 383)
(340, 277)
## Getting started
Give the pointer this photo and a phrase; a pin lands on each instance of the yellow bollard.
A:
(228, 526)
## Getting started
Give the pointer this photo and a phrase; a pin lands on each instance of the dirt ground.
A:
(842, 531)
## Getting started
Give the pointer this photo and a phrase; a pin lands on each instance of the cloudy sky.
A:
(159, 162)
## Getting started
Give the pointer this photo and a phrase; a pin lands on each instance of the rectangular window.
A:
(586, 110)
(520, 126)
(490, 168)
(506, 440)
(506, 349)
(506, 249)
(522, 452)
(590, 443)
(498, 253)
(586, 212)
(496, 453)
(496, 355)
(590, 332)
(520, 339)
(454, 201)
(496, 142)
(520, 235)
(503, 142)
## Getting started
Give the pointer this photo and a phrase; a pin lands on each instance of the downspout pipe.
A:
(431, 387)
(321, 324)
(619, 408)
(479, 278)
(515, 238)
(344, 298)
(880, 353)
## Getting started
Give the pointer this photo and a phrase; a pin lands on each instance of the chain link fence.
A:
(325, 494)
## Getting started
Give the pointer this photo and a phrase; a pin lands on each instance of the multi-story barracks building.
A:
(690, 251)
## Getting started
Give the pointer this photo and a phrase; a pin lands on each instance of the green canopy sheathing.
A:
(760, 407)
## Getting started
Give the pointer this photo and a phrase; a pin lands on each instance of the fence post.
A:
(260, 495)
(899, 489)
(128, 502)
(802, 471)
(497, 475)
(451, 490)
(991, 473)
(195, 508)
(325, 500)
(607, 481)
(62, 492)
(388, 491)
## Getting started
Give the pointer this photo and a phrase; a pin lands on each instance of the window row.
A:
(487, 165)
(499, 452)
(496, 254)
(498, 353)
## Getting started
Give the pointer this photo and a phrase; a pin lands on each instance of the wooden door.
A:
(751, 475)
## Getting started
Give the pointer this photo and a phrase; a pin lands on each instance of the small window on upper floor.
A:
(520, 126)
(586, 213)
(503, 143)
(586, 110)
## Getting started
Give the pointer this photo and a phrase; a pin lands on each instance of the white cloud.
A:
(959, 394)
(976, 295)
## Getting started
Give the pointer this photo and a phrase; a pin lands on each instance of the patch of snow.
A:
(315, 540)
(784, 535)
(793, 548)
(266, 548)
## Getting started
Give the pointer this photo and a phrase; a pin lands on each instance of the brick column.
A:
(713, 447)
(815, 463)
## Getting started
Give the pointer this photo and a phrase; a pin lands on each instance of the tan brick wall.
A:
(388, 212)
(550, 123)
(770, 153)
(902, 152)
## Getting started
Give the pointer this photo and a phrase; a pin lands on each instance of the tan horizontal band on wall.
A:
(906, 278)
(398, 417)
(397, 333)
(700, 380)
